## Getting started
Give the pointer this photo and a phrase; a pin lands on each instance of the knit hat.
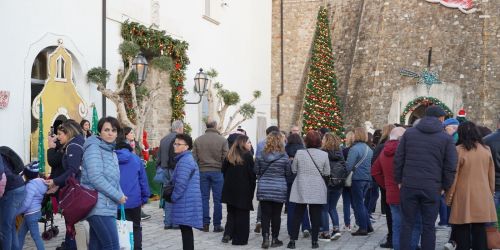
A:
(450, 121)
(434, 111)
(31, 170)
(461, 113)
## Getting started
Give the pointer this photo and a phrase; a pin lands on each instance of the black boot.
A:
(265, 241)
(315, 244)
(387, 243)
(291, 244)
(276, 243)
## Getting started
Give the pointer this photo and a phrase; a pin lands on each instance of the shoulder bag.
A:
(168, 190)
(348, 179)
(325, 178)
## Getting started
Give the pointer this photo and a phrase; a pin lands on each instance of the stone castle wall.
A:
(372, 40)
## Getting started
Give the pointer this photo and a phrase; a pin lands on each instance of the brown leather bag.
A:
(493, 237)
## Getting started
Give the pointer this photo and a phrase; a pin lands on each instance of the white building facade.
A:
(233, 37)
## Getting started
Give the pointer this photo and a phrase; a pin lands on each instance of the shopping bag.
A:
(125, 231)
(3, 183)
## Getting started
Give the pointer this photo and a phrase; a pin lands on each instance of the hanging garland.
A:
(157, 43)
(426, 101)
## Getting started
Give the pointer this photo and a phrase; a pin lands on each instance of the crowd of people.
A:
(437, 166)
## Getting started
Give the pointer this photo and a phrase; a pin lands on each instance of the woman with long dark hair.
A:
(238, 190)
(70, 135)
(85, 124)
(471, 194)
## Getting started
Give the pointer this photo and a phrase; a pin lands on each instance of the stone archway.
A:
(415, 109)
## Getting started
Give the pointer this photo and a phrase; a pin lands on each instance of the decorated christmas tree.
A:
(321, 104)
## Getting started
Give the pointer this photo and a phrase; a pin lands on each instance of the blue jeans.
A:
(213, 180)
(167, 206)
(330, 210)
(346, 202)
(396, 228)
(444, 212)
(30, 223)
(358, 190)
(306, 225)
(372, 197)
(103, 233)
(9, 205)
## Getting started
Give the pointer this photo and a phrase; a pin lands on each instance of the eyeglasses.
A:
(179, 144)
(107, 130)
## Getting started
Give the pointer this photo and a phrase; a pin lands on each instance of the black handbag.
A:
(167, 192)
(326, 178)
(168, 189)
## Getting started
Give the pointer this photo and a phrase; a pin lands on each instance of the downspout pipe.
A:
(103, 55)
(280, 94)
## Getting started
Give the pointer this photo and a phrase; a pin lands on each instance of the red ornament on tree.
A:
(177, 66)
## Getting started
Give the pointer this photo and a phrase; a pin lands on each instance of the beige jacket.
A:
(471, 195)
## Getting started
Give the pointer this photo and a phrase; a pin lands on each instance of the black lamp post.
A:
(140, 65)
(200, 85)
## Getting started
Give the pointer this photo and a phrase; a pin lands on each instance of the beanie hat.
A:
(434, 111)
(450, 121)
(461, 113)
(31, 170)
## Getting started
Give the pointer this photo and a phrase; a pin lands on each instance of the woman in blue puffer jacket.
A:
(100, 172)
(186, 198)
(272, 167)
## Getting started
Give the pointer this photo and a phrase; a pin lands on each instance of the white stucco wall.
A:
(239, 48)
(28, 27)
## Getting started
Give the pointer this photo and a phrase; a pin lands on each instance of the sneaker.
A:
(335, 235)
(451, 245)
(306, 233)
(145, 216)
(218, 229)
(324, 237)
(346, 228)
(257, 228)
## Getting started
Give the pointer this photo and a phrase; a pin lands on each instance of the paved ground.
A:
(155, 237)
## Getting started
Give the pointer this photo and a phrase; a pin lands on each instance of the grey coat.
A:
(309, 187)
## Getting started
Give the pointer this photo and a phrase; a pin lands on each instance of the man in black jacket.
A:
(424, 166)
(493, 141)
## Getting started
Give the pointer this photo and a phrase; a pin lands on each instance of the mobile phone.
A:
(51, 132)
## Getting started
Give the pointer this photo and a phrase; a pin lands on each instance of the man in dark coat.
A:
(424, 166)
(493, 141)
(165, 160)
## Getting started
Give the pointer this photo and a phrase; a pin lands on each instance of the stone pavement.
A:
(155, 237)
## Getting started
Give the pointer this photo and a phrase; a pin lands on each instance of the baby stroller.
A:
(49, 208)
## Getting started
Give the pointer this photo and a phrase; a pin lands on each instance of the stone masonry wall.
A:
(372, 40)
(158, 120)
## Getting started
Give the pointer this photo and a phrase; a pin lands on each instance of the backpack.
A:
(12, 160)
(338, 171)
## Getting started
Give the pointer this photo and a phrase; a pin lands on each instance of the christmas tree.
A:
(321, 104)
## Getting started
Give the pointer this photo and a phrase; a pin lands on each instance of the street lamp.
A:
(200, 85)
(140, 65)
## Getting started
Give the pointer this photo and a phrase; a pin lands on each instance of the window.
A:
(211, 11)
(60, 65)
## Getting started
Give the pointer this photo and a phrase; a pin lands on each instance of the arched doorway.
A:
(415, 109)
(53, 90)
